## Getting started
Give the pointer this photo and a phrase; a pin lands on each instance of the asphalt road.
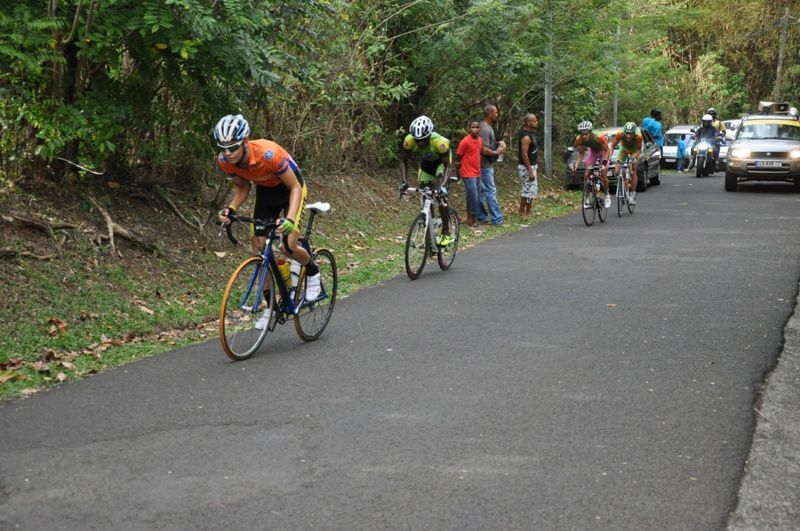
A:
(562, 377)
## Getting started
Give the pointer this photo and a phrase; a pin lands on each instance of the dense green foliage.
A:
(132, 87)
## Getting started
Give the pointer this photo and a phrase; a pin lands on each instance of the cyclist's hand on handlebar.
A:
(225, 215)
(403, 187)
(285, 225)
(442, 191)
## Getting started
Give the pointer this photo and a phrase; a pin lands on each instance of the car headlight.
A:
(794, 154)
(740, 153)
(702, 146)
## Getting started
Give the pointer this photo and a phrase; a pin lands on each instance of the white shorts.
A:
(530, 189)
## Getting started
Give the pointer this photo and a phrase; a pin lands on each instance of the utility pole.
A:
(616, 81)
(548, 95)
(776, 93)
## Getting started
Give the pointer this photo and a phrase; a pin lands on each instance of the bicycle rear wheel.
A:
(418, 245)
(589, 198)
(242, 306)
(313, 317)
(446, 255)
(631, 207)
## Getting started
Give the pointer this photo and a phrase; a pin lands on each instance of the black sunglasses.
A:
(233, 148)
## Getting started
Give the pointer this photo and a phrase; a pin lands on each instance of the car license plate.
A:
(768, 164)
(670, 160)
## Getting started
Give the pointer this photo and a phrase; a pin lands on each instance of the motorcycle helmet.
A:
(713, 112)
(421, 127)
(584, 126)
(231, 128)
(629, 128)
(707, 118)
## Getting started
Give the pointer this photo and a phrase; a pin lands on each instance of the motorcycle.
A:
(704, 163)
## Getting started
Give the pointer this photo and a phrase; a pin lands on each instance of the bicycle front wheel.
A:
(447, 254)
(418, 244)
(244, 303)
(588, 203)
(620, 195)
(313, 317)
(602, 211)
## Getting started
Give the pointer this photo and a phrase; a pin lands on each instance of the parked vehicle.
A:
(767, 148)
(670, 149)
(649, 166)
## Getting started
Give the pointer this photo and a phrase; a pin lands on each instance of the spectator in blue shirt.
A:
(652, 124)
(681, 153)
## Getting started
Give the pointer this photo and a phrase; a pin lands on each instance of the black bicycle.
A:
(594, 194)
(257, 297)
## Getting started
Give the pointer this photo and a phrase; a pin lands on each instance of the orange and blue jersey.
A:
(628, 146)
(266, 162)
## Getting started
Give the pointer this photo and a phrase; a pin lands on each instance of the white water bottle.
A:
(294, 268)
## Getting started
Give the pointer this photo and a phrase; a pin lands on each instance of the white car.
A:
(670, 149)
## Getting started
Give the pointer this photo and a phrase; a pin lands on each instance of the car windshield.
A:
(770, 132)
(672, 140)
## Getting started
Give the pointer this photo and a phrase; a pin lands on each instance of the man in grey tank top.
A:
(489, 153)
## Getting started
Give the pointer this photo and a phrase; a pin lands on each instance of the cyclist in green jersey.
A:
(630, 142)
(433, 152)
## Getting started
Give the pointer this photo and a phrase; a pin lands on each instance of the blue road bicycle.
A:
(258, 294)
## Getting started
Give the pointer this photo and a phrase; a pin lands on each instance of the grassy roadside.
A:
(86, 311)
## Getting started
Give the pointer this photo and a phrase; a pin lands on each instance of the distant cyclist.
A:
(433, 152)
(593, 148)
(280, 191)
(630, 142)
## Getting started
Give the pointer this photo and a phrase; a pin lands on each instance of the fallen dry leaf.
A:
(29, 391)
(40, 366)
(220, 254)
(59, 327)
(146, 310)
(61, 377)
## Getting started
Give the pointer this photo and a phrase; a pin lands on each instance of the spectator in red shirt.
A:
(468, 167)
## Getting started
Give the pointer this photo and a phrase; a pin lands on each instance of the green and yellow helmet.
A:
(629, 128)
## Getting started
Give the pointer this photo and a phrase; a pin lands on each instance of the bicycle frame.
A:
(625, 177)
(426, 202)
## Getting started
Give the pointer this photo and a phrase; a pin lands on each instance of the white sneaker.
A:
(313, 287)
(607, 202)
(632, 198)
(262, 323)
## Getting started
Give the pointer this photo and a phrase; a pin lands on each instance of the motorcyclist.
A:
(720, 127)
(708, 132)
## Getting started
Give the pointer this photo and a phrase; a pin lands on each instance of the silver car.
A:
(767, 148)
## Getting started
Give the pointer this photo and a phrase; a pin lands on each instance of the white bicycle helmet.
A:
(421, 127)
(231, 128)
(585, 125)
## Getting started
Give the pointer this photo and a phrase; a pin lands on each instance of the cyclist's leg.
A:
(634, 172)
(290, 245)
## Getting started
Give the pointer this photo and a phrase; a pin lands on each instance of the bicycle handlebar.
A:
(269, 224)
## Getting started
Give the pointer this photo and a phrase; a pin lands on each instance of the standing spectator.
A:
(490, 150)
(528, 155)
(681, 153)
(468, 167)
(652, 124)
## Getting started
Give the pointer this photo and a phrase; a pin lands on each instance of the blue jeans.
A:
(489, 193)
(473, 193)
(681, 160)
